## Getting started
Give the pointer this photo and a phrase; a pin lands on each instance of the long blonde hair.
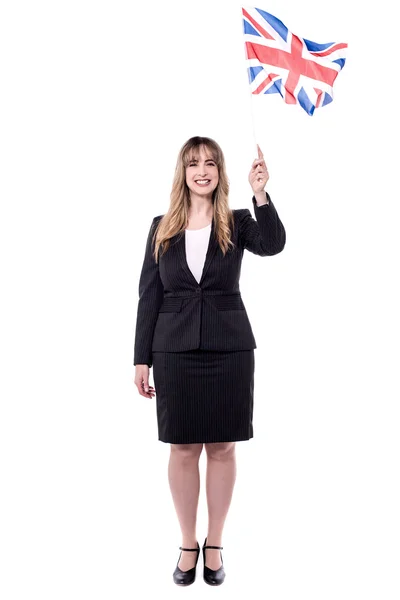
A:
(176, 219)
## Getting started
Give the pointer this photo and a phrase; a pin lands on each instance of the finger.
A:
(257, 170)
(256, 176)
(258, 162)
(260, 154)
(145, 386)
(145, 394)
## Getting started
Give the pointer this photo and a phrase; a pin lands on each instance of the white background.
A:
(96, 100)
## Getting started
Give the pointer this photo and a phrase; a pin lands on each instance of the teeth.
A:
(202, 181)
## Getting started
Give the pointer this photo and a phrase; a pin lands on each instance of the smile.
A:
(203, 182)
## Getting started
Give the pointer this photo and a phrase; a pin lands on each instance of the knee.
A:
(187, 451)
(220, 450)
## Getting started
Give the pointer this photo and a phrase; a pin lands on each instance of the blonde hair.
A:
(176, 219)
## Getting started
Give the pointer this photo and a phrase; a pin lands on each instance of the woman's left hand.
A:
(258, 175)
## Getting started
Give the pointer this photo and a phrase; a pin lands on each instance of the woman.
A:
(192, 327)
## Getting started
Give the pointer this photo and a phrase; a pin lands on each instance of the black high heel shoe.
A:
(186, 577)
(213, 577)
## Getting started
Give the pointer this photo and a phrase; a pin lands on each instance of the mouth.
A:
(202, 182)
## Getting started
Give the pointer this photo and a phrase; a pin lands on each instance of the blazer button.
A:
(198, 290)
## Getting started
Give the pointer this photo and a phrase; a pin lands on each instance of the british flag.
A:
(280, 62)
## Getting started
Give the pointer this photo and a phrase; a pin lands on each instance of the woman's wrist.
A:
(261, 197)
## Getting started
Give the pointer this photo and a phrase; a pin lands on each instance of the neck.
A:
(201, 206)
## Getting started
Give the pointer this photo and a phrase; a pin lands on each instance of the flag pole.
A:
(251, 95)
(253, 122)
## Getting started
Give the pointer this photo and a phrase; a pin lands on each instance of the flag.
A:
(280, 62)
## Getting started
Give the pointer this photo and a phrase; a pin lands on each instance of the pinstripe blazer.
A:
(176, 313)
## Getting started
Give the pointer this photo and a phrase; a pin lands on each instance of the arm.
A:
(151, 293)
(266, 235)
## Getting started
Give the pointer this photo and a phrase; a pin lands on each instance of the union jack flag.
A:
(280, 62)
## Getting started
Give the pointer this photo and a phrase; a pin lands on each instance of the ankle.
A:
(213, 541)
(189, 543)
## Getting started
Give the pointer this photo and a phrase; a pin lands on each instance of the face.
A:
(202, 173)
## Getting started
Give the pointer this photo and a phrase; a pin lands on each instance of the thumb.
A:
(146, 385)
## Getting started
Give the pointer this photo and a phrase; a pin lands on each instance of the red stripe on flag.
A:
(264, 84)
(330, 50)
(293, 61)
(320, 94)
(257, 25)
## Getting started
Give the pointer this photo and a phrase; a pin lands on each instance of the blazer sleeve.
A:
(151, 295)
(265, 235)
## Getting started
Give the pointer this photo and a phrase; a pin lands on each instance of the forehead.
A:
(200, 152)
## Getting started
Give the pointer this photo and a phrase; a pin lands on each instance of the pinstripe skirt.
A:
(204, 396)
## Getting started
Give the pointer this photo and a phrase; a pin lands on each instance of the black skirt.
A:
(204, 396)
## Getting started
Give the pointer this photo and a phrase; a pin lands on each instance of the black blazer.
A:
(176, 313)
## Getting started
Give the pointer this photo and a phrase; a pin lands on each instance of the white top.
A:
(196, 242)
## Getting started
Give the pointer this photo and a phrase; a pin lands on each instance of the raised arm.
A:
(265, 235)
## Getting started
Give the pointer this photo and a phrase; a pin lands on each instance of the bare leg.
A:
(220, 481)
(184, 481)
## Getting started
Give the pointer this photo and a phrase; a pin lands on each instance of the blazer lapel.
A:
(180, 246)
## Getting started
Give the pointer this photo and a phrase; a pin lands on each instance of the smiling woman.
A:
(193, 328)
(202, 174)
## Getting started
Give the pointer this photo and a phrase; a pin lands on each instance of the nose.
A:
(204, 170)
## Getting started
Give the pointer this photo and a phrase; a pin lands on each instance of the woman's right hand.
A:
(142, 381)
